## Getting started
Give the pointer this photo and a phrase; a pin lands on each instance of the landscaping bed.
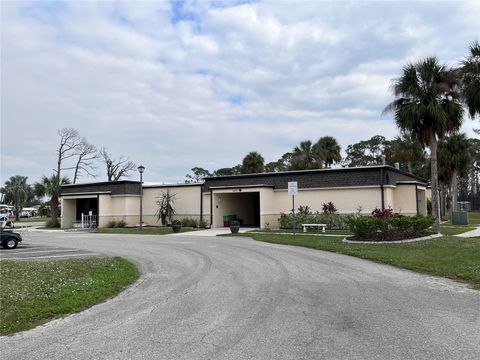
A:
(164, 230)
(34, 292)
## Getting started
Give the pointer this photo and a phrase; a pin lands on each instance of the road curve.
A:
(235, 298)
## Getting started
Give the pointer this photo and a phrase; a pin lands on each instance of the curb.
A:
(429, 237)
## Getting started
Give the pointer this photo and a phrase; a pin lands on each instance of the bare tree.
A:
(86, 155)
(69, 142)
(116, 168)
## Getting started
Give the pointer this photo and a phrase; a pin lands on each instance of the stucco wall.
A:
(187, 202)
(69, 210)
(406, 199)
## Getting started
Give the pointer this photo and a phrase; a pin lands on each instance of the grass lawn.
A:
(34, 219)
(34, 292)
(452, 257)
(145, 231)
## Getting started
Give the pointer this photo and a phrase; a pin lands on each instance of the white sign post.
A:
(292, 191)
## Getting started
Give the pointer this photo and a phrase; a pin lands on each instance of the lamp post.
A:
(141, 169)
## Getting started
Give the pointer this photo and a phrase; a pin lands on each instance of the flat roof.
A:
(314, 171)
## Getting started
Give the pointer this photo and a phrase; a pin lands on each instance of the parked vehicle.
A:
(4, 217)
(8, 238)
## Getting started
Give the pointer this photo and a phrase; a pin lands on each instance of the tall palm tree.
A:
(407, 150)
(470, 72)
(327, 151)
(455, 159)
(303, 157)
(50, 186)
(253, 163)
(17, 192)
(427, 103)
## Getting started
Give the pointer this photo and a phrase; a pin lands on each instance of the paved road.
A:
(234, 298)
(27, 251)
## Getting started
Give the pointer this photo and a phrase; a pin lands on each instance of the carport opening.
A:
(86, 207)
(244, 206)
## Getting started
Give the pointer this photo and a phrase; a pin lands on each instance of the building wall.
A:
(69, 210)
(406, 199)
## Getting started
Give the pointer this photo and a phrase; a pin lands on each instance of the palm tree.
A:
(427, 103)
(327, 151)
(17, 192)
(470, 72)
(454, 158)
(407, 150)
(50, 186)
(253, 163)
(303, 157)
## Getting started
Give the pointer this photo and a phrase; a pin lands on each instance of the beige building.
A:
(255, 199)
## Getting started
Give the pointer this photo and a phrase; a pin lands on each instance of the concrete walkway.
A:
(211, 232)
(472, 233)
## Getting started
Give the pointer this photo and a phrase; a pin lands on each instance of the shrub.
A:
(386, 226)
(112, 224)
(176, 222)
(333, 221)
(329, 208)
(52, 223)
(305, 210)
(121, 224)
(189, 222)
(202, 224)
(234, 223)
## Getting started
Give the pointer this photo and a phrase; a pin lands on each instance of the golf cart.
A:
(8, 238)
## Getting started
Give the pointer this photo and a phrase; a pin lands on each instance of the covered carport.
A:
(78, 208)
(242, 202)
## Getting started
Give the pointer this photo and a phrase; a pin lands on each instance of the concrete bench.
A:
(305, 226)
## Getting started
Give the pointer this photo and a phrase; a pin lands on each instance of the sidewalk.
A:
(471, 233)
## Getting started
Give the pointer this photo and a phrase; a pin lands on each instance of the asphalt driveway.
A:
(235, 298)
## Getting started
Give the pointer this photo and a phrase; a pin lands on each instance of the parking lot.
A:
(40, 252)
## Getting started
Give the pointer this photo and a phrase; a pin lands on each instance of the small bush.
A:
(305, 210)
(189, 222)
(52, 223)
(329, 208)
(176, 222)
(234, 223)
(121, 224)
(333, 221)
(202, 224)
(112, 224)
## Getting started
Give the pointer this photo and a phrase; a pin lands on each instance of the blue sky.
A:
(179, 84)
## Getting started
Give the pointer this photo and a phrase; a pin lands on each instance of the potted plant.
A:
(176, 226)
(234, 226)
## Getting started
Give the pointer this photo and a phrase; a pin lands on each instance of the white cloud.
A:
(201, 85)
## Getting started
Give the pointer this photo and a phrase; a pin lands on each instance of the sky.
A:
(174, 84)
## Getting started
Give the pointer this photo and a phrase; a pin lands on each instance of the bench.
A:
(305, 226)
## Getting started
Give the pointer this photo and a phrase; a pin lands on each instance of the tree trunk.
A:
(409, 166)
(454, 191)
(434, 181)
(54, 209)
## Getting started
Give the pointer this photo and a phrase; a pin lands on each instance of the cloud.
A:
(183, 84)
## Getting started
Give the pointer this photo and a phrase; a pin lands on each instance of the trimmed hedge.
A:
(388, 228)
(333, 221)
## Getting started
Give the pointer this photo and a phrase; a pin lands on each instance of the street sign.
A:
(292, 188)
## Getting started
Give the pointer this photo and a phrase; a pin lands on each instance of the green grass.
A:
(34, 219)
(34, 292)
(473, 219)
(455, 229)
(449, 256)
(144, 231)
